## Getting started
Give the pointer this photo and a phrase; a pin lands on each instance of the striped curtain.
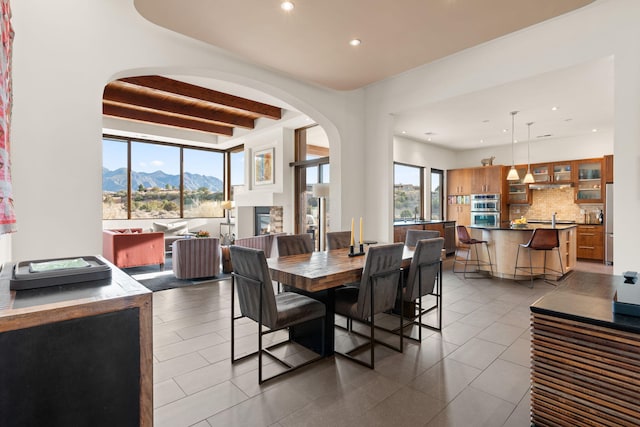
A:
(7, 215)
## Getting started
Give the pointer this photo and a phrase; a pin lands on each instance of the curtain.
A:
(7, 215)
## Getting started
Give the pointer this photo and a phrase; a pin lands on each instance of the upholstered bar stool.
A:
(542, 239)
(466, 243)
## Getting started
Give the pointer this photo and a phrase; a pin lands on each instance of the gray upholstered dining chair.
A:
(294, 244)
(413, 236)
(259, 303)
(338, 239)
(425, 278)
(376, 293)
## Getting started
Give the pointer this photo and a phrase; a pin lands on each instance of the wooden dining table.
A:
(316, 275)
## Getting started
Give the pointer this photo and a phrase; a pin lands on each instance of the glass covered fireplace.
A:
(267, 220)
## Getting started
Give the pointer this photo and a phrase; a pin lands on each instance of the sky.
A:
(154, 157)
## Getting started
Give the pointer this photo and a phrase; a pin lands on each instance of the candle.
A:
(352, 237)
(361, 239)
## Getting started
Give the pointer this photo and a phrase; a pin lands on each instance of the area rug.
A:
(155, 280)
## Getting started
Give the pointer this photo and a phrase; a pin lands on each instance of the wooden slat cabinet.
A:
(590, 241)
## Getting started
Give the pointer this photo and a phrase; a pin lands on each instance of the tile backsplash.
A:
(560, 200)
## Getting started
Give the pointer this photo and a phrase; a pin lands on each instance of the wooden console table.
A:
(585, 360)
(76, 354)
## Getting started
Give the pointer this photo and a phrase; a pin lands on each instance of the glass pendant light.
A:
(513, 173)
(528, 178)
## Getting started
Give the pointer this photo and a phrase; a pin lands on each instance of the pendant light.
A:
(528, 178)
(513, 173)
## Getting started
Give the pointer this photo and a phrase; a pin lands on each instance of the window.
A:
(115, 179)
(407, 191)
(203, 183)
(437, 195)
(236, 177)
(143, 179)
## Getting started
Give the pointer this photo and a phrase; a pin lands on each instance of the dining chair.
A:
(413, 236)
(259, 303)
(542, 239)
(294, 244)
(376, 293)
(425, 278)
(466, 243)
(338, 239)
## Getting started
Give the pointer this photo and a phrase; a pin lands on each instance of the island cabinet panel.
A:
(591, 242)
(583, 374)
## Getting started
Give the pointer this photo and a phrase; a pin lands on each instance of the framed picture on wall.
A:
(263, 167)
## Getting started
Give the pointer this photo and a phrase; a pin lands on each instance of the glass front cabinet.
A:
(519, 191)
(588, 181)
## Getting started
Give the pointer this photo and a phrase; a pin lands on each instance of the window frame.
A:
(421, 191)
(226, 172)
(440, 173)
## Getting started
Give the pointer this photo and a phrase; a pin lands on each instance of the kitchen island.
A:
(503, 245)
(585, 359)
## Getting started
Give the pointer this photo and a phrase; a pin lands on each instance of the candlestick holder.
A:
(352, 253)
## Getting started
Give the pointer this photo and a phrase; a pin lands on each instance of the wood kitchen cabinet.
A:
(487, 180)
(460, 213)
(553, 173)
(588, 181)
(519, 193)
(590, 242)
(458, 182)
(608, 169)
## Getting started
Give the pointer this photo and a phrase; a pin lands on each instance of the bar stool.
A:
(542, 239)
(466, 243)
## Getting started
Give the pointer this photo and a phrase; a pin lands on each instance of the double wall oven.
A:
(485, 210)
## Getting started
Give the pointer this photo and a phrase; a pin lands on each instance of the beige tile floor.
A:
(474, 373)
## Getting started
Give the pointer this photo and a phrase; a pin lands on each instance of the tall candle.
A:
(361, 239)
(352, 237)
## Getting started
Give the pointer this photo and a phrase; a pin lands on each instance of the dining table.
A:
(317, 275)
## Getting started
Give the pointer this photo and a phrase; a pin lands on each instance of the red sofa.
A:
(131, 247)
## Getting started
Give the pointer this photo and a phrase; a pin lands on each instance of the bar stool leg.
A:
(530, 269)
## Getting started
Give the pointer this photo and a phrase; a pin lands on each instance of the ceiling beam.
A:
(123, 112)
(126, 94)
(185, 89)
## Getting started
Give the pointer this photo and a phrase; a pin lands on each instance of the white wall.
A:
(64, 54)
(604, 28)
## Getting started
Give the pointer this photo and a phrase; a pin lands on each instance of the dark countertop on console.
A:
(587, 297)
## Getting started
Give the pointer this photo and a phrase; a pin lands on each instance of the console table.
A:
(76, 354)
(585, 360)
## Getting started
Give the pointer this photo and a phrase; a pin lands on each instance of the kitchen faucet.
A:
(553, 219)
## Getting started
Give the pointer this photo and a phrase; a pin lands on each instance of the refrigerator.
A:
(608, 225)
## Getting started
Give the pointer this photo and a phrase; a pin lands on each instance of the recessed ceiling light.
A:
(404, 132)
(505, 130)
(594, 130)
(481, 141)
(287, 5)
(554, 108)
(355, 42)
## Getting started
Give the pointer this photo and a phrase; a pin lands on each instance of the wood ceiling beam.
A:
(209, 95)
(123, 112)
(126, 94)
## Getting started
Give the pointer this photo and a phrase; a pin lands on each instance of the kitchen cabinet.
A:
(556, 172)
(608, 169)
(400, 231)
(519, 193)
(487, 180)
(460, 213)
(588, 181)
(590, 242)
(458, 181)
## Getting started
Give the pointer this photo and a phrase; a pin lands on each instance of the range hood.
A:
(545, 186)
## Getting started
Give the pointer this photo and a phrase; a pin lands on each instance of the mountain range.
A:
(117, 180)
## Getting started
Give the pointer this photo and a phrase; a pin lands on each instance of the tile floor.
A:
(474, 373)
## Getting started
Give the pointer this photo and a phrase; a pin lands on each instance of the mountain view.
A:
(117, 180)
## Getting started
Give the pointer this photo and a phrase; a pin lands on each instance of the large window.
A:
(437, 195)
(407, 191)
(237, 171)
(143, 179)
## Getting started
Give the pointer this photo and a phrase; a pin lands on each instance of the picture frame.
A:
(263, 166)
